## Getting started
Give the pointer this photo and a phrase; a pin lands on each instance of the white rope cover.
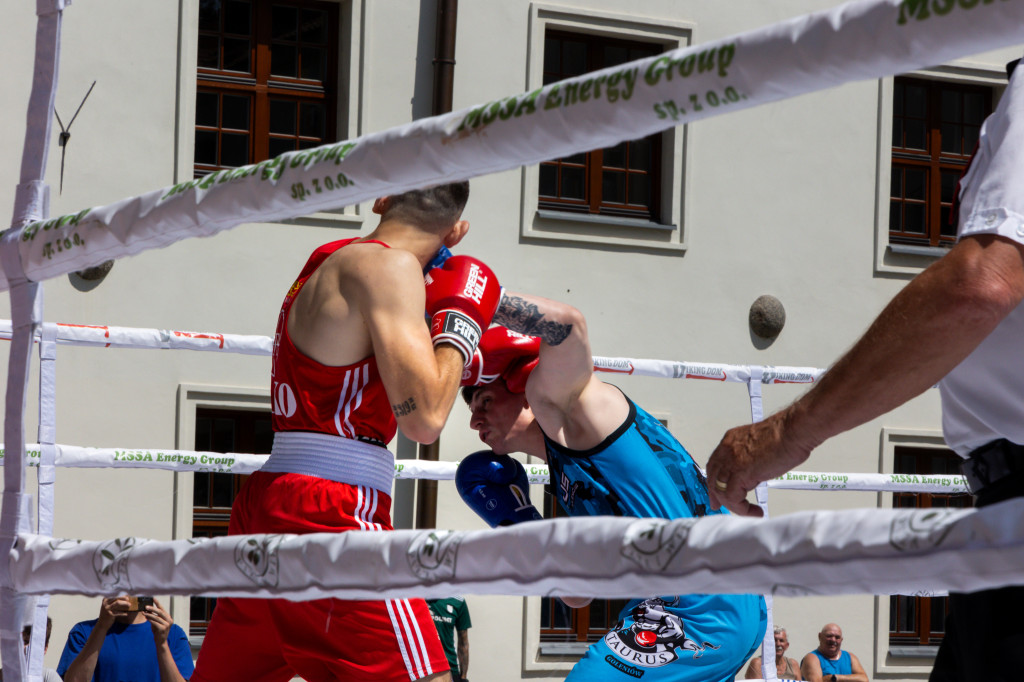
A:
(73, 456)
(859, 40)
(808, 553)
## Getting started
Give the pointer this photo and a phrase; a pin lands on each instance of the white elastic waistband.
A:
(337, 459)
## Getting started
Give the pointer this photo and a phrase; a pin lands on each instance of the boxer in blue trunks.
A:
(532, 389)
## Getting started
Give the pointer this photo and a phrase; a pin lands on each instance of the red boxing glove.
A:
(462, 296)
(506, 354)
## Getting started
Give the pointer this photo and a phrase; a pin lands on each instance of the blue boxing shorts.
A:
(689, 638)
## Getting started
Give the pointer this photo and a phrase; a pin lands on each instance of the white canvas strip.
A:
(862, 551)
(864, 39)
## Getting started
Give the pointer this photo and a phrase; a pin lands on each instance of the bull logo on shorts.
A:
(432, 555)
(652, 543)
(257, 557)
(922, 529)
(110, 563)
(655, 637)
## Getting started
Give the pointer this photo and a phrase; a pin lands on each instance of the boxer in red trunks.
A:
(353, 361)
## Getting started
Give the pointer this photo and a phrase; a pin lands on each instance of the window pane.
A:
(639, 189)
(970, 138)
(615, 55)
(915, 135)
(311, 123)
(572, 183)
(209, 15)
(222, 490)
(314, 27)
(552, 55)
(896, 183)
(914, 218)
(283, 60)
(916, 101)
(201, 490)
(280, 145)
(897, 98)
(548, 180)
(285, 20)
(938, 614)
(613, 187)
(282, 116)
(580, 158)
(237, 18)
(896, 216)
(206, 109)
(948, 181)
(236, 112)
(312, 63)
(234, 151)
(951, 106)
(915, 183)
(615, 157)
(308, 144)
(574, 58)
(897, 132)
(950, 133)
(974, 108)
(206, 147)
(209, 52)
(236, 55)
(640, 154)
(946, 229)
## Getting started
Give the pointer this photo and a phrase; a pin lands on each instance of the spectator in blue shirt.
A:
(127, 643)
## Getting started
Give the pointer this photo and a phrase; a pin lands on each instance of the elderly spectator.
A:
(785, 668)
(829, 663)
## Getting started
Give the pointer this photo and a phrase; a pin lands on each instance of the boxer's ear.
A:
(456, 233)
(381, 205)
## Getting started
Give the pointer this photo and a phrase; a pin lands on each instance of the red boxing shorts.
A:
(272, 640)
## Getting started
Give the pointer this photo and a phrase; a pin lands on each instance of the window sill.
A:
(924, 652)
(576, 649)
(613, 221)
(911, 250)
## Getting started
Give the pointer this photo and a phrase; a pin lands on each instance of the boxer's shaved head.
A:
(434, 208)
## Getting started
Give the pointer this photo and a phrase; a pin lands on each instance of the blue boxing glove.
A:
(496, 488)
(438, 260)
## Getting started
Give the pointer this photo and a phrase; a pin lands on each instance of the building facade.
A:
(829, 202)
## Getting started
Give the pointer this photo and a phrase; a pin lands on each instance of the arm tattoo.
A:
(524, 317)
(404, 408)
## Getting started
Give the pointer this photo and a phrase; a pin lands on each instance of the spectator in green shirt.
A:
(451, 616)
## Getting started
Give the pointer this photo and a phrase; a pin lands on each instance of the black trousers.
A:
(984, 638)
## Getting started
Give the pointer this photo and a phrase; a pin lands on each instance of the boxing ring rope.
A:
(859, 40)
(78, 457)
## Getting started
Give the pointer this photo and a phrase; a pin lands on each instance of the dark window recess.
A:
(267, 81)
(935, 128)
(559, 623)
(243, 431)
(624, 180)
(921, 621)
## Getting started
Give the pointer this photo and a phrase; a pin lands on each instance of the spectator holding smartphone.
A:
(133, 640)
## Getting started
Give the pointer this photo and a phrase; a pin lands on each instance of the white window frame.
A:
(886, 662)
(910, 260)
(350, 88)
(546, 225)
(190, 398)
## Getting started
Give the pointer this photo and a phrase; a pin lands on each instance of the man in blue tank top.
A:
(532, 389)
(829, 663)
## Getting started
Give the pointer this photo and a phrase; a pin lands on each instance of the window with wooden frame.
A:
(221, 430)
(624, 180)
(561, 624)
(266, 80)
(921, 621)
(935, 128)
